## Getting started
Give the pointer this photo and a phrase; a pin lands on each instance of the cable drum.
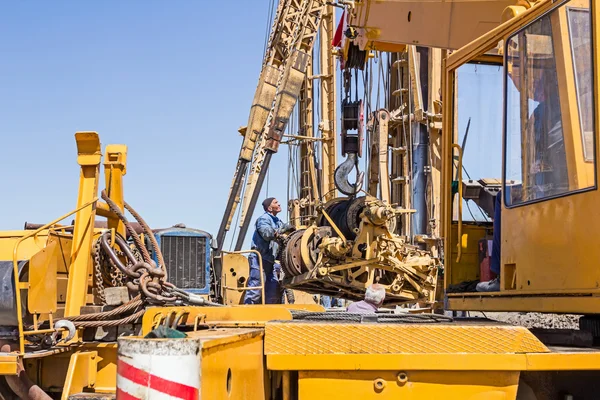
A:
(337, 210)
(291, 257)
(356, 57)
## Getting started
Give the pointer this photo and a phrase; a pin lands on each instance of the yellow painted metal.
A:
(583, 176)
(246, 315)
(15, 260)
(82, 372)
(232, 364)
(106, 375)
(328, 96)
(468, 267)
(8, 364)
(115, 167)
(260, 267)
(540, 303)
(383, 362)
(389, 25)
(27, 248)
(526, 243)
(526, 228)
(102, 210)
(459, 201)
(565, 360)
(497, 385)
(89, 157)
(72, 369)
(378, 162)
(42, 295)
(343, 338)
(235, 275)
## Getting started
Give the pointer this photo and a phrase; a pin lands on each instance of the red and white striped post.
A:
(157, 369)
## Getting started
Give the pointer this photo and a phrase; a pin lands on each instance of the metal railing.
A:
(19, 285)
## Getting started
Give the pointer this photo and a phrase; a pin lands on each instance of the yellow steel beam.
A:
(89, 157)
(8, 364)
(241, 315)
(552, 304)
(115, 164)
(561, 361)
(564, 361)
(490, 40)
(82, 371)
(328, 104)
(382, 362)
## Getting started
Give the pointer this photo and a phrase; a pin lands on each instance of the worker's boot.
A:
(489, 286)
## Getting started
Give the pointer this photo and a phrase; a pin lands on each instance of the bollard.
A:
(155, 369)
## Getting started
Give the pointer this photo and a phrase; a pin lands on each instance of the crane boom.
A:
(287, 55)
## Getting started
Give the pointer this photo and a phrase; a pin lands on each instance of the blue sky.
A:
(172, 80)
(480, 90)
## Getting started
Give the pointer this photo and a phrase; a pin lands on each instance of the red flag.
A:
(337, 38)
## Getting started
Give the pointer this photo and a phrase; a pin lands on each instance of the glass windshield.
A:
(549, 135)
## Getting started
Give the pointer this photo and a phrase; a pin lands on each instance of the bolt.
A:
(402, 378)
(379, 384)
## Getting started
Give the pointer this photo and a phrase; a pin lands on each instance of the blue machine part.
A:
(188, 257)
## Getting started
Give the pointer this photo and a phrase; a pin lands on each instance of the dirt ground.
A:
(534, 320)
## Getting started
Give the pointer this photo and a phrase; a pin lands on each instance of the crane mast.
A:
(287, 57)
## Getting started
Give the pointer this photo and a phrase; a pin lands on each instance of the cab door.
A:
(550, 221)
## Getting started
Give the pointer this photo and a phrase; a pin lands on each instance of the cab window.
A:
(549, 132)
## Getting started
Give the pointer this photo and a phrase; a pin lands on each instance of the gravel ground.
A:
(535, 320)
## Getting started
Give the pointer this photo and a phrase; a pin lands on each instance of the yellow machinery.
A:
(57, 316)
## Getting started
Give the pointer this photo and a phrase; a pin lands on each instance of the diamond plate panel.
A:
(332, 338)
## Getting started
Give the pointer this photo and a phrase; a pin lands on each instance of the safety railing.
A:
(19, 285)
(262, 277)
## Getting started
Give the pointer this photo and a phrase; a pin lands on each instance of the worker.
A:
(268, 228)
(374, 297)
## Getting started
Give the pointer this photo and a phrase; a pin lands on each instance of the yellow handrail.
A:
(460, 200)
(16, 270)
(260, 266)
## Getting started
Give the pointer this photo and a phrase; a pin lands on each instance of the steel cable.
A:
(150, 235)
(373, 317)
(138, 243)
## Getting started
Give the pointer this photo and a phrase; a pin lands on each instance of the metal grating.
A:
(185, 257)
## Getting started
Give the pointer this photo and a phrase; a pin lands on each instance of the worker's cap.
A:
(267, 203)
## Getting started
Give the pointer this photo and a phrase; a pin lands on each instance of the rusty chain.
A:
(98, 273)
(140, 274)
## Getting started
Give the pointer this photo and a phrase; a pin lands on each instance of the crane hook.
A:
(343, 171)
(61, 325)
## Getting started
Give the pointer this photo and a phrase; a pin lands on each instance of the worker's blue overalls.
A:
(263, 242)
